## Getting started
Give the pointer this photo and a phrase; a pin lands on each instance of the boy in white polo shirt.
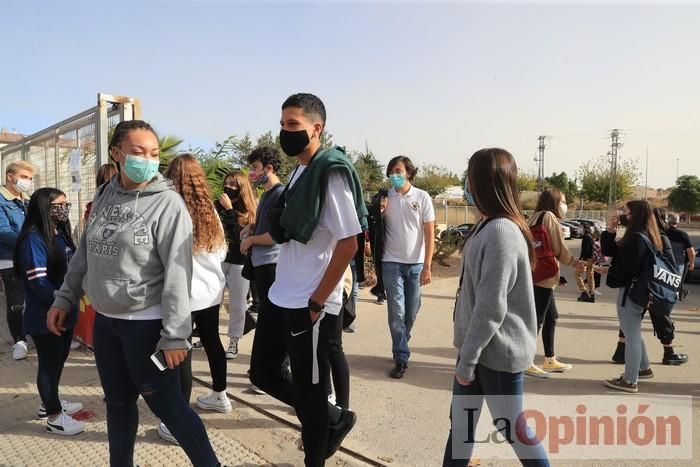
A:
(409, 240)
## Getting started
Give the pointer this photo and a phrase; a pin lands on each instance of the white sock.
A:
(220, 393)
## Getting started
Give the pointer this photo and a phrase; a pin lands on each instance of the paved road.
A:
(400, 422)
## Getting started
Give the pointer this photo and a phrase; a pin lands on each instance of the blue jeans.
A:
(402, 285)
(122, 353)
(630, 317)
(355, 285)
(488, 382)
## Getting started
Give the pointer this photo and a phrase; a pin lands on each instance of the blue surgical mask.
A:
(139, 169)
(397, 180)
(469, 198)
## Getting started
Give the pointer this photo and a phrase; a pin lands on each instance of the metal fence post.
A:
(101, 128)
(447, 217)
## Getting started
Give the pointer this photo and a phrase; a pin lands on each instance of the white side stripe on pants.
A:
(315, 374)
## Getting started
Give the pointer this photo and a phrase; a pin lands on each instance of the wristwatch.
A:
(316, 307)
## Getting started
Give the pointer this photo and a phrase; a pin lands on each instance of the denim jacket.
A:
(12, 212)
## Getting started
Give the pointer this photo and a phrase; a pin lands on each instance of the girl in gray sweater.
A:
(494, 322)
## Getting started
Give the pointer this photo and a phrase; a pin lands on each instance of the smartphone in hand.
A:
(158, 358)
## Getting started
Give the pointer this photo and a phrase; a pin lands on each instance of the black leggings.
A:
(336, 359)
(547, 316)
(52, 352)
(14, 300)
(662, 324)
(207, 321)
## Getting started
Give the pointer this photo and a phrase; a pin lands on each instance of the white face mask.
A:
(23, 185)
(563, 208)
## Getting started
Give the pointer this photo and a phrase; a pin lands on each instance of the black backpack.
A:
(658, 281)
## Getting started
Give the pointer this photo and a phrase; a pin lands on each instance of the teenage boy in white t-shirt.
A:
(317, 229)
(409, 239)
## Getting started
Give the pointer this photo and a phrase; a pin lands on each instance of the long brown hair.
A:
(641, 219)
(247, 203)
(550, 200)
(105, 173)
(189, 180)
(493, 177)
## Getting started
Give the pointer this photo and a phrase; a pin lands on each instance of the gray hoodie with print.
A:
(135, 253)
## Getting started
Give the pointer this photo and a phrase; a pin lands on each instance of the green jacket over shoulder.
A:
(305, 198)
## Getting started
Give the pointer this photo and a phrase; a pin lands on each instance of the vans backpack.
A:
(658, 281)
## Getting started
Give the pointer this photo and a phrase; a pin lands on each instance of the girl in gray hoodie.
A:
(135, 264)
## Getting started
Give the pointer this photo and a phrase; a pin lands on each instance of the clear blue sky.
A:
(432, 81)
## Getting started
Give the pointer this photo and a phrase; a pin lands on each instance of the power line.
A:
(580, 135)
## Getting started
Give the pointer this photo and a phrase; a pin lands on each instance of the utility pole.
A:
(540, 164)
(646, 175)
(614, 146)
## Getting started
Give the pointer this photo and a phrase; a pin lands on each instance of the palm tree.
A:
(370, 171)
(168, 150)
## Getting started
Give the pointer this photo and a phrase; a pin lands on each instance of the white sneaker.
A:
(68, 407)
(257, 390)
(553, 365)
(19, 350)
(65, 425)
(164, 433)
(536, 372)
(214, 401)
(232, 351)
(597, 292)
(75, 344)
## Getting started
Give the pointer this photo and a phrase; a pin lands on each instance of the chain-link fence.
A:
(446, 215)
(49, 150)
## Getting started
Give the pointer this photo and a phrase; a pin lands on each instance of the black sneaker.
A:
(349, 328)
(398, 371)
(619, 355)
(675, 359)
(337, 433)
(586, 297)
(621, 385)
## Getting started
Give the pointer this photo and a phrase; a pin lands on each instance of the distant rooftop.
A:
(452, 192)
(7, 137)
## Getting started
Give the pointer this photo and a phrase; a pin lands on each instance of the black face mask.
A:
(232, 193)
(293, 142)
(623, 220)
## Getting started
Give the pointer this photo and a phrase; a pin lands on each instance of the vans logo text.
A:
(674, 280)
